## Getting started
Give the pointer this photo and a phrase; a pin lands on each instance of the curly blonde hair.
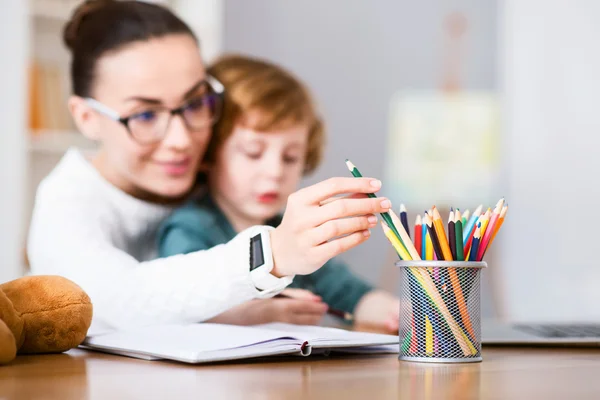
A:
(282, 101)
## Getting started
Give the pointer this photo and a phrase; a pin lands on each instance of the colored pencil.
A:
(468, 228)
(465, 218)
(452, 234)
(395, 241)
(412, 250)
(428, 242)
(454, 281)
(386, 216)
(482, 218)
(441, 234)
(404, 219)
(499, 224)
(475, 247)
(459, 237)
(433, 236)
(428, 336)
(485, 221)
(424, 239)
(419, 235)
(485, 240)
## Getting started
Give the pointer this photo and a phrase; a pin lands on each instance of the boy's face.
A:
(255, 172)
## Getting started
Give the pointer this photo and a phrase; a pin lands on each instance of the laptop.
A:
(494, 332)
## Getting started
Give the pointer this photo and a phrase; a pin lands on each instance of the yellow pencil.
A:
(410, 246)
(441, 234)
(428, 336)
(428, 243)
(391, 236)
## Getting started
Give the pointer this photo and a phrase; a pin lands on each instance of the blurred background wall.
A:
(355, 56)
(455, 102)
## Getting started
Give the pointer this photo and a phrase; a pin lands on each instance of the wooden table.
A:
(505, 373)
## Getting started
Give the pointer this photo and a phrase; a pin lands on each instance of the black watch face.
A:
(257, 257)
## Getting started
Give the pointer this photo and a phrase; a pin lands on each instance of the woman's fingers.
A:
(337, 246)
(341, 227)
(350, 196)
(345, 208)
(315, 194)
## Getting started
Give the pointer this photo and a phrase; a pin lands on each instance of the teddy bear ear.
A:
(8, 347)
(11, 318)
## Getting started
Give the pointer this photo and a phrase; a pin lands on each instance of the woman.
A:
(141, 91)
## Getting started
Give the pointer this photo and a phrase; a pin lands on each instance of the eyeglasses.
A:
(150, 126)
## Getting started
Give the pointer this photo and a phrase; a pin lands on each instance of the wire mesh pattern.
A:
(440, 317)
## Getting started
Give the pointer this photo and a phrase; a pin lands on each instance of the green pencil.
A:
(386, 216)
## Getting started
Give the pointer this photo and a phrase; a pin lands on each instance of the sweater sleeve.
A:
(186, 230)
(68, 237)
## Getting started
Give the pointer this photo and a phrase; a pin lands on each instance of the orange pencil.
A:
(499, 224)
(485, 240)
(458, 294)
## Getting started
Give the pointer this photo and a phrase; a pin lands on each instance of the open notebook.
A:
(200, 343)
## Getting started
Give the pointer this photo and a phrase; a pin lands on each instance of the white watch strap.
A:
(268, 284)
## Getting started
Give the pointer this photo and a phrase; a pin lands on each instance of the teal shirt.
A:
(201, 225)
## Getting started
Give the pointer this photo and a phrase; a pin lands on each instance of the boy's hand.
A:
(378, 309)
(304, 308)
(317, 226)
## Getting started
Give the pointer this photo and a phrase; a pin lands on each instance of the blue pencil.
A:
(424, 241)
(468, 228)
(475, 244)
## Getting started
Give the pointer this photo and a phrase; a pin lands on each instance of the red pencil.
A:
(418, 234)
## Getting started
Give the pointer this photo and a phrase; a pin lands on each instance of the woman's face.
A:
(136, 81)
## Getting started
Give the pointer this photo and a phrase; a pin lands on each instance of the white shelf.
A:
(60, 10)
(58, 142)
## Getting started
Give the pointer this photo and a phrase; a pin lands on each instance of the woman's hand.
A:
(299, 307)
(378, 310)
(317, 226)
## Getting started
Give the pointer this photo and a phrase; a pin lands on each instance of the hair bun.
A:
(73, 26)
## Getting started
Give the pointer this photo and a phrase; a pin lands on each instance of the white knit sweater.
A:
(87, 230)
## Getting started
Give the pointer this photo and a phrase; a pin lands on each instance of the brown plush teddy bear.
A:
(42, 314)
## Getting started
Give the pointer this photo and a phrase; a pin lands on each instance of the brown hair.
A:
(281, 99)
(100, 26)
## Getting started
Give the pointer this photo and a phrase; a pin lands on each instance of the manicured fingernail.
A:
(372, 220)
(386, 204)
(367, 233)
(376, 183)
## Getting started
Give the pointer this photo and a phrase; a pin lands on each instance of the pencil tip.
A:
(350, 165)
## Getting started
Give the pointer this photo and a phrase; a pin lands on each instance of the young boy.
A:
(268, 137)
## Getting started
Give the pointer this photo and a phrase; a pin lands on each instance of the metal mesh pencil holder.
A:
(440, 317)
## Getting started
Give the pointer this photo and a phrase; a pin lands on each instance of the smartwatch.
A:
(261, 263)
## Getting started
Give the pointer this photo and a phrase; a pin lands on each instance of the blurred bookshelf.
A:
(58, 142)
